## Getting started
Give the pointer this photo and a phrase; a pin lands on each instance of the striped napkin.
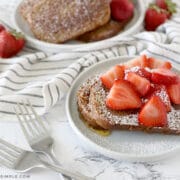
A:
(45, 78)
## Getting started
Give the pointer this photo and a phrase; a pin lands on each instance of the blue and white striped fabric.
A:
(45, 78)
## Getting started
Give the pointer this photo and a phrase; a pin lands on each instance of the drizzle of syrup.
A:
(102, 132)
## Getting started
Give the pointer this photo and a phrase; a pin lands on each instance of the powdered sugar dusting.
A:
(162, 93)
(174, 118)
(134, 69)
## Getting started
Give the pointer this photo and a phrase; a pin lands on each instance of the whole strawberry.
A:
(154, 17)
(167, 5)
(10, 43)
(122, 10)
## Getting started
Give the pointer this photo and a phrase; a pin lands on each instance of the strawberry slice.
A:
(139, 71)
(157, 63)
(122, 96)
(164, 76)
(174, 93)
(161, 91)
(116, 72)
(141, 84)
(153, 113)
(141, 61)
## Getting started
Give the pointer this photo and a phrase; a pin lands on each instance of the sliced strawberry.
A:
(164, 76)
(141, 61)
(150, 92)
(139, 71)
(157, 63)
(161, 91)
(122, 96)
(174, 93)
(116, 72)
(142, 85)
(153, 113)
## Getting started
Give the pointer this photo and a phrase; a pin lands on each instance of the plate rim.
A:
(103, 150)
(72, 47)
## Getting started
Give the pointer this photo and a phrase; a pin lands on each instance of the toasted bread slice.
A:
(83, 104)
(57, 21)
(108, 30)
(96, 113)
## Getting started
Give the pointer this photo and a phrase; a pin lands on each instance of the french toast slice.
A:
(108, 30)
(97, 114)
(57, 21)
(84, 106)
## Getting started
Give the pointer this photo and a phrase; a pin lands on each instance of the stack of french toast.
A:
(58, 21)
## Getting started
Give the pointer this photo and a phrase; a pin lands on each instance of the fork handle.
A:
(65, 172)
(48, 153)
(56, 166)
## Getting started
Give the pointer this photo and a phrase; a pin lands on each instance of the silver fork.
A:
(35, 130)
(16, 158)
(21, 160)
(38, 135)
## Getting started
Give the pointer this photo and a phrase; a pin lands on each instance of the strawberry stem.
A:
(157, 8)
(17, 35)
(171, 6)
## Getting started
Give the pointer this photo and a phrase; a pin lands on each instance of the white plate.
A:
(135, 146)
(133, 26)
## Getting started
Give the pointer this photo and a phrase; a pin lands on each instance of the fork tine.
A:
(6, 156)
(5, 163)
(11, 146)
(11, 151)
(21, 124)
(37, 117)
(26, 120)
(31, 118)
